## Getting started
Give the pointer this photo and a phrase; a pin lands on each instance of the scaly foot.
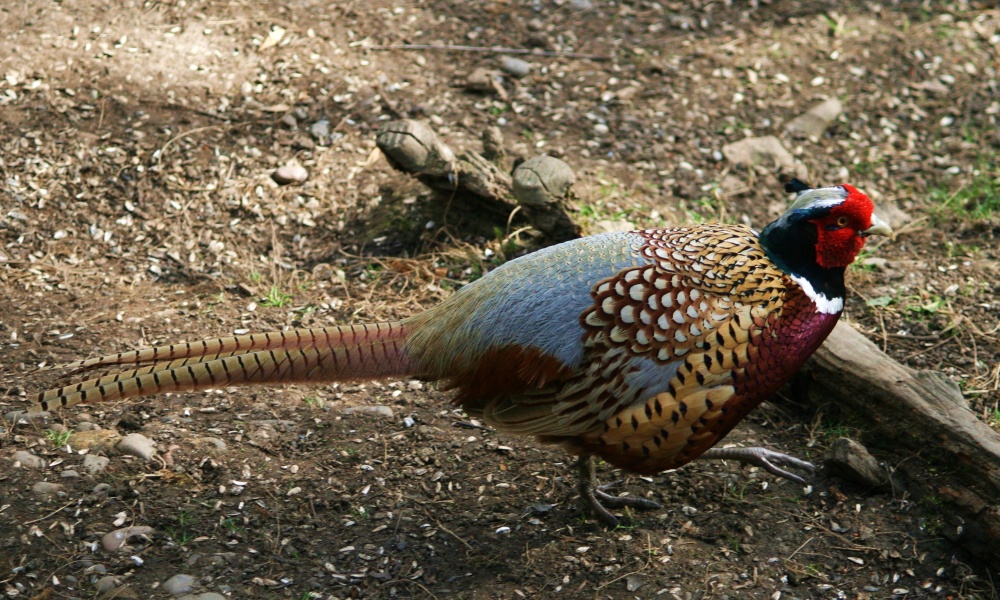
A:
(597, 501)
(763, 458)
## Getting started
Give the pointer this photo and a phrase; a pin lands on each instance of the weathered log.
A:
(916, 413)
(543, 186)
(467, 177)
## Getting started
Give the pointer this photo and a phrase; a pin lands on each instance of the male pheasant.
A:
(642, 348)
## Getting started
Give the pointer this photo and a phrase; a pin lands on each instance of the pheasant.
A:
(642, 348)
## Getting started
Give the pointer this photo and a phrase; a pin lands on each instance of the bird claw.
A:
(625, 501)
(765, 459)
(597, 501)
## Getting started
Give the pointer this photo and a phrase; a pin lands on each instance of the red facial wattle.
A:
(839, 238)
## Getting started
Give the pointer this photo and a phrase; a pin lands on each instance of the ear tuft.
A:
(795, 186)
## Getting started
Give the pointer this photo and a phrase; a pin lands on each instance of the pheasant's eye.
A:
(842, 221)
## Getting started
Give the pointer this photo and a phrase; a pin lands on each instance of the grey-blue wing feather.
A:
(534, 302)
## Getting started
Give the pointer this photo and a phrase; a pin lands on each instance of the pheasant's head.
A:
(843, 218)
(820, 234)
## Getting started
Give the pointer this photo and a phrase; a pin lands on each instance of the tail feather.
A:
(295, 338)
(304, 355)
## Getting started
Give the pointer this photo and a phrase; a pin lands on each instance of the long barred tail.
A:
(301, 355)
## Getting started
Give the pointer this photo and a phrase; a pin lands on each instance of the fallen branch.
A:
(923, 413)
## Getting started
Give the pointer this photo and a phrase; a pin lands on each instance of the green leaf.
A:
(881, 301)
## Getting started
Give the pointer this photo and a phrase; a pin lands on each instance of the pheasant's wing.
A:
(518, 328)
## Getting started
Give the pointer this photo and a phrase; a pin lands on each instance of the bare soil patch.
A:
(137, 144)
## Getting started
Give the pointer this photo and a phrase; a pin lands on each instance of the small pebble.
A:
(293, 172)
(95, 440)
(69, 474)
(45, 489)
(320, 130)
(483, 80)
(289, 121)
(515, 66)
(116, 539)
(203, 596)
(106, 584)
(179, 584)
(29, 460)
(213, 441)
(94, 464)
(23, 416)
(382, 411)
(136, 444)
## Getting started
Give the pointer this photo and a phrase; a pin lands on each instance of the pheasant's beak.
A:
(878, 227)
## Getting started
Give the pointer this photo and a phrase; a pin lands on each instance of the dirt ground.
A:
(137, 144)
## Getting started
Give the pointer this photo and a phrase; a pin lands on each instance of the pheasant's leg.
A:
(763, 458)
(596, 500)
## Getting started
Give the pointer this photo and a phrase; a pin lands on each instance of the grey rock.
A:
(94, 464)
(764, 150)
(212, 441)
(290, 173)
(816, 120)
(136, 444)
(320, 130)
(515, 66)
(124, 592)
(99, 494)
(86, 426)
(23, 416)
(69, 474)
(114, 540)
(382, 411)
(179, 584)
(581, 4)
(211, 560)
(851, 461)
(289, 121)
(483, 80)
(106, 584)
(29, 460)
(204, 596)
(300, 114)
(46, 490)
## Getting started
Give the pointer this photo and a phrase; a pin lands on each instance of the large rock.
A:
(812, 123)
(765, 150)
